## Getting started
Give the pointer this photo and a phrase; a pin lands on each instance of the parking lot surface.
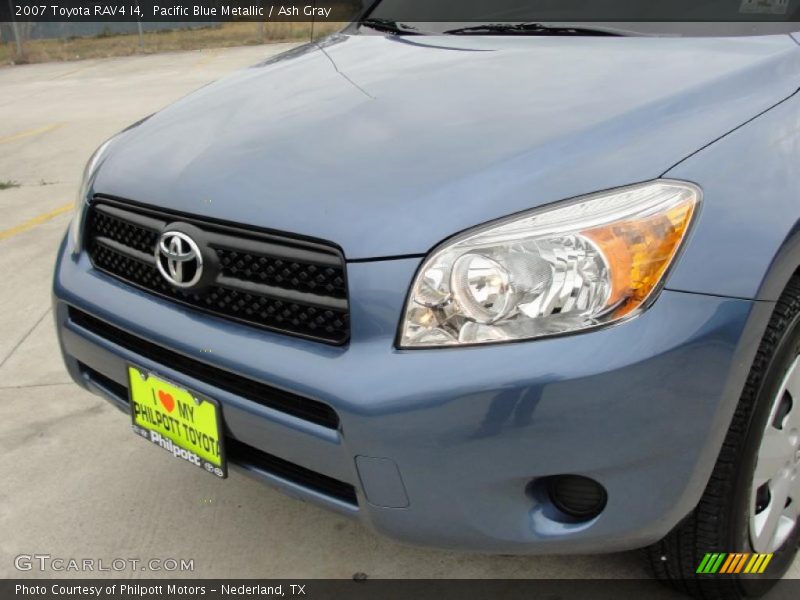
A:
(76, 483)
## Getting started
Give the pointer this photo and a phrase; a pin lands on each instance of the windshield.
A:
(587, 17)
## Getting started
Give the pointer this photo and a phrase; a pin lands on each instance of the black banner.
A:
(418, 11)
(366, 589)
(74, 11)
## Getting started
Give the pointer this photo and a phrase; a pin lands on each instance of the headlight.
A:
(89, 172)
(560, 269)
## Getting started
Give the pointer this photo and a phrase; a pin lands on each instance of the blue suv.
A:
(510, 288)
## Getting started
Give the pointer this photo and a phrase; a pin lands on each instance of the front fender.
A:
(746, 243)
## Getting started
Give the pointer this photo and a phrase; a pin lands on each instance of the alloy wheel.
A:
(775, 499)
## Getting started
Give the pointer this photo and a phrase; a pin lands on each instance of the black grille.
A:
(275, 282)
(287, 274)
(298, 406)
(124, 232)
(246, 455)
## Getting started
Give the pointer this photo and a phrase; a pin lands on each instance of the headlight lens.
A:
(581, 264)
(82, 198)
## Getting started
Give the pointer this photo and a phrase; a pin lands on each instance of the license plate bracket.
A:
(186, 424)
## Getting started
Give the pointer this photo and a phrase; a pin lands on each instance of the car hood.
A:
(387, 145)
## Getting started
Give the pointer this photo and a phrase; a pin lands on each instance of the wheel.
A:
(752, 500)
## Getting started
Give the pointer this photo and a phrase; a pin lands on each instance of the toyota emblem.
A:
(179, 259)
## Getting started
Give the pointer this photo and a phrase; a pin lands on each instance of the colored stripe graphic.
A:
(727, 564)
(753, 564)
(707, 563)
(730, 566)
(703, 564)
(714, 562)
(718, 563)
(710, 563)
(767, 558)
(733, 563)
(740, 564)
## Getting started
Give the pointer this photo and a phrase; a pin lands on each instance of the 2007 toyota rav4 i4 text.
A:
(504, 288)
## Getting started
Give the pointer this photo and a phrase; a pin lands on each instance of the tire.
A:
(721, 522)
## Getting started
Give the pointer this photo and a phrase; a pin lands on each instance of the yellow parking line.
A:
(72, 72)
(29, 132)
(38, 220)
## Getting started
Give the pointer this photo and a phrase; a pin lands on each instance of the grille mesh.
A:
(270, 288)
(287, 274)
(128, 234)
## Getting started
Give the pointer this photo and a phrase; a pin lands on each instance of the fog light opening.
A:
(578, 498)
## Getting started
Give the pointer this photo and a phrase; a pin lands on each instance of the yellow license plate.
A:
(184, 423)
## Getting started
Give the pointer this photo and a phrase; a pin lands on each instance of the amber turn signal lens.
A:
(639, 252)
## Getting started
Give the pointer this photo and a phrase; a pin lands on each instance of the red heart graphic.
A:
(167, 400)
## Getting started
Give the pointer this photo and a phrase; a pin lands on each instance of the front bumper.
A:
(440, 446)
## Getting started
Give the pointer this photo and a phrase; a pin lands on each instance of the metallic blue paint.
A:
(388, 146)
(746, 241)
